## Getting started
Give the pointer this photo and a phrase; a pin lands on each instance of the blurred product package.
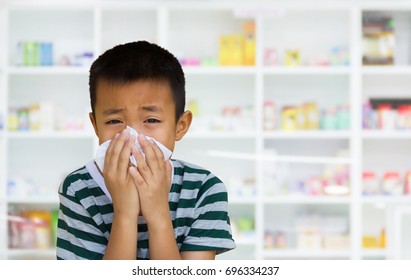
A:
(378, 40)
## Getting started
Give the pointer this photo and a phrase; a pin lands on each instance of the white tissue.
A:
(102, 149)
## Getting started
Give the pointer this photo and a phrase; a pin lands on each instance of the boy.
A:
(155, 210)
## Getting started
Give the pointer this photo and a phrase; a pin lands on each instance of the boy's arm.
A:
(153, 178)
(122, 243)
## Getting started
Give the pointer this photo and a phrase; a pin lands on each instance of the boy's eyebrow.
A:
(154, 109)
(112, 111)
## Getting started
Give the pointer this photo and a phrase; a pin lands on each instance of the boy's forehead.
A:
(104, 84)
(108, 93)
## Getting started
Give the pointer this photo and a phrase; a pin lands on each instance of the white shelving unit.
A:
(192, 29)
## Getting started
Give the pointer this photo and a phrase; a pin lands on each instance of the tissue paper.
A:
(102, 149)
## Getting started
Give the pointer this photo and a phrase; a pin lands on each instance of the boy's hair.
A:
(139, 61)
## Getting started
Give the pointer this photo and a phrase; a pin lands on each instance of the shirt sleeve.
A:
(211, 228)
(78, 234)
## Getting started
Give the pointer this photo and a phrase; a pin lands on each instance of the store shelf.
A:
(386, 134)
(219, 70)
(220, 135)
(320, 200)
(279, 158)
(51, 70)
(241, 199)
(314, 134)
(307, 70)
(95, 28)
(386, 70)
(33, 199)
(374, 253)
(245, 240)
(38, 253)
(51, 134)
(300, 253)
(381, 199)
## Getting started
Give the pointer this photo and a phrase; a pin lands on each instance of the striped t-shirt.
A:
(198, 207)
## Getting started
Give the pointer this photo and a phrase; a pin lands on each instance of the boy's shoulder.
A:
(190, 173)
(181, 166)
(184, 168)
(75, 179)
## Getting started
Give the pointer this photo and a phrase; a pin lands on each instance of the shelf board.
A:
(217, 70)
(52, 134)
(284, 199)
(40, 253)
(49, 70)
(385, 199)
(313, 134)
(279, 158)
(45, 199)
(378, 253)
(300, 253)
(386, 70)
(244, 240)
(386, 134)
(241, 199)
(220, 134)
(306, 70)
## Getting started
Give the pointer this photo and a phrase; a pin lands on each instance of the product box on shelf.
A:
(32, 229)
(378, 40)
(387, 114)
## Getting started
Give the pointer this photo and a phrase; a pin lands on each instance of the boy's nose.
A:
(136, 128)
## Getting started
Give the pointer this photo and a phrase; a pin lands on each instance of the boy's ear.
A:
(93, 122)
(183, 124)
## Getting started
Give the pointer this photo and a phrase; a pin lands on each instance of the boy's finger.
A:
(118, 147)
(137, 178)
(124, 157)
(159, 155)
(141, 162)
(169, 170)
(151, 158)
(107, 159)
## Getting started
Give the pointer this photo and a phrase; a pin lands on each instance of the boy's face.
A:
(146, 106)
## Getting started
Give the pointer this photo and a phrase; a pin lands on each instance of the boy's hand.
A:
(152, 178)
(117, 176)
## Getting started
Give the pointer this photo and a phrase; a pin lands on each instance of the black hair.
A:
(134, 61)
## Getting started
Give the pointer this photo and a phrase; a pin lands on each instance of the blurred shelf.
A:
(37, 253)
(51, 134)
(168, 19)
(313, 134)
(306, 70)
(220, 135)
(306, 200)
(33, 199)
(301, 253)
(374, 253)
(279, 158)
(385, 199)
(386, 134)
(245, 240)
(241, 199)
(219, 70)
(386, 70)
(49, 70)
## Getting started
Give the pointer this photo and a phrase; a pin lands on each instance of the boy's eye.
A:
(151, 121)
(113, 122)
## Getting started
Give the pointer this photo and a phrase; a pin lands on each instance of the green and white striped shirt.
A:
(198, 207)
